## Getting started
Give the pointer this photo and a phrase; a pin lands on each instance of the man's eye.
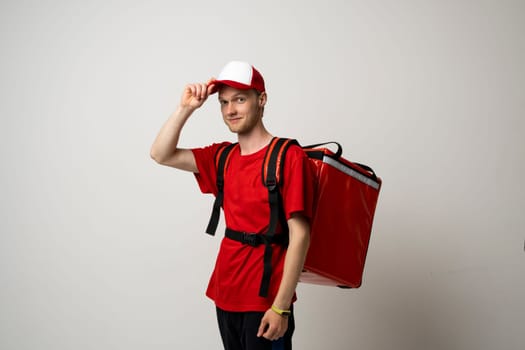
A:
(241, 99)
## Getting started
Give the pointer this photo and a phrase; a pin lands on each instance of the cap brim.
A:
(234, 84)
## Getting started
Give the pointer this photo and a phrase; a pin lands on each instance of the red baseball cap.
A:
(239, 75)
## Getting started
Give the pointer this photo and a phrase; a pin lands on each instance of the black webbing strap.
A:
(272, 170)
(255, 240)
(221, 157)
(337, 154)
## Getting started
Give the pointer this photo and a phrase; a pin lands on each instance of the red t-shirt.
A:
(235, 281)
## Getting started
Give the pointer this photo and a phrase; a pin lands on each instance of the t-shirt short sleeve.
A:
(207, 171)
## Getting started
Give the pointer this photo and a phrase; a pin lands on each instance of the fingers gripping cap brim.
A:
(239, 75)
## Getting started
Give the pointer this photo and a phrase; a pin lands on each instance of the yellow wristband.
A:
(281, 312)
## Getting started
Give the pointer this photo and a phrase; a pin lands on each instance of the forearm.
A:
(167, 139)
(295, 256)
(165, 147)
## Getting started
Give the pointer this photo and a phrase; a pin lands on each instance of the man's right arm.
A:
(165, 148)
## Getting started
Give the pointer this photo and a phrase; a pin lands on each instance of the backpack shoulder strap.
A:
(272, 177)
(222, 158)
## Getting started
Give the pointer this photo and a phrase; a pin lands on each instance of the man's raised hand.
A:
(195, 94)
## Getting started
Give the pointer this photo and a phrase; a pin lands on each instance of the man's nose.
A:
(230, 109)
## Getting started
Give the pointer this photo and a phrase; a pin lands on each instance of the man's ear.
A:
(262, 99)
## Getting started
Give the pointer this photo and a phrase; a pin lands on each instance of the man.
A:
(246, 319)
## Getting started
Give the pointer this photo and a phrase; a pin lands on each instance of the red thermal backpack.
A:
(345, 199)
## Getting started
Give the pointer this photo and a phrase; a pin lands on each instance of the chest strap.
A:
(254, 239)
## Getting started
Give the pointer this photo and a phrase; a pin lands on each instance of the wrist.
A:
(185, 110)
(182, 114)
(281, 312)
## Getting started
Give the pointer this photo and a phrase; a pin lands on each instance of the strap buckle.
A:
(250, 239)
(271, 184)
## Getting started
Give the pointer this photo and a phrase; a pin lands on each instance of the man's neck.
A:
(255, 141)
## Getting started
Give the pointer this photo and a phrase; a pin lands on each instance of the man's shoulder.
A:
(213, 146)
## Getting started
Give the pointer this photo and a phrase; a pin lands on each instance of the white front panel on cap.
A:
(237, 71)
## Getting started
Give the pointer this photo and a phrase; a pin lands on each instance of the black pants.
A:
(239, 332)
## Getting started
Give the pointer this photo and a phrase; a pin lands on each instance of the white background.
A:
(100, 248)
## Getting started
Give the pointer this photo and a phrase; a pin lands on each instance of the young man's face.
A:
(241, 109)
